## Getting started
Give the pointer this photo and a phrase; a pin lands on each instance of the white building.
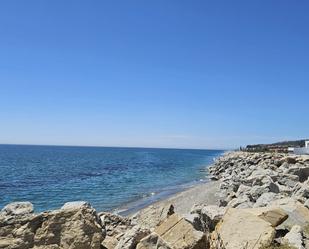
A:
(302, 150)
(291, 149)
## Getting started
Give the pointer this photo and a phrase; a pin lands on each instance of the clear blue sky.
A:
(163, 73)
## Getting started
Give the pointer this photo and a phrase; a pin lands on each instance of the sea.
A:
(122, 180)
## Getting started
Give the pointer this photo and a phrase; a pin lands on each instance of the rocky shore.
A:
(256, 200)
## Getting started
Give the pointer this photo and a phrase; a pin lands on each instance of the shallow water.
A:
(108, 178)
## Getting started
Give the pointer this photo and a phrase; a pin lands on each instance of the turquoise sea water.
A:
(108, 178)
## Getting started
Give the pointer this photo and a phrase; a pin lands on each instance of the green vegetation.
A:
(281, 146)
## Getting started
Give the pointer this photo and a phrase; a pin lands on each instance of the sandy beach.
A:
(205, 193)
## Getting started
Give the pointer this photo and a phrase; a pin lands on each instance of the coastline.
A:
(256, 200)
(202, 194)
(155, 198)
(196, 192)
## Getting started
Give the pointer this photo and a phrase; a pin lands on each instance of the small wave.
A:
(119, 211)
(149, 194)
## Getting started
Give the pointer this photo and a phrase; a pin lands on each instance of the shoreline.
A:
(202, 194)
(133, 207)
(176, 192)
(256, 200)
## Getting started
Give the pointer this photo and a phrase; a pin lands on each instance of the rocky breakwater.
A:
(255, 179)
(265, 197)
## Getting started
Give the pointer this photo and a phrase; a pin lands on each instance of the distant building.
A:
(291, 149)
(302, 150)
(295, 146)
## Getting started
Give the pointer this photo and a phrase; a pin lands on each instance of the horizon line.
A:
(106, 146)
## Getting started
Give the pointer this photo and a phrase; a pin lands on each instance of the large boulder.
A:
(266, 198)
(178, 233)
(297, 213)
(259, 175)
(73, 227)
(242, 229)
(257, 191)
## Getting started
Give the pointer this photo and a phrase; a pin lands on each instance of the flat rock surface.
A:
(180, 234)
(241, 229)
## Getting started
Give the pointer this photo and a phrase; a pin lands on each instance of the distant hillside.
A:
(280, 146)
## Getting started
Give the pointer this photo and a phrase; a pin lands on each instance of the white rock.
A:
(240, 202)
(18, 208)
(243, 189)
(266, 198)
(75, 205)
(294, 237)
